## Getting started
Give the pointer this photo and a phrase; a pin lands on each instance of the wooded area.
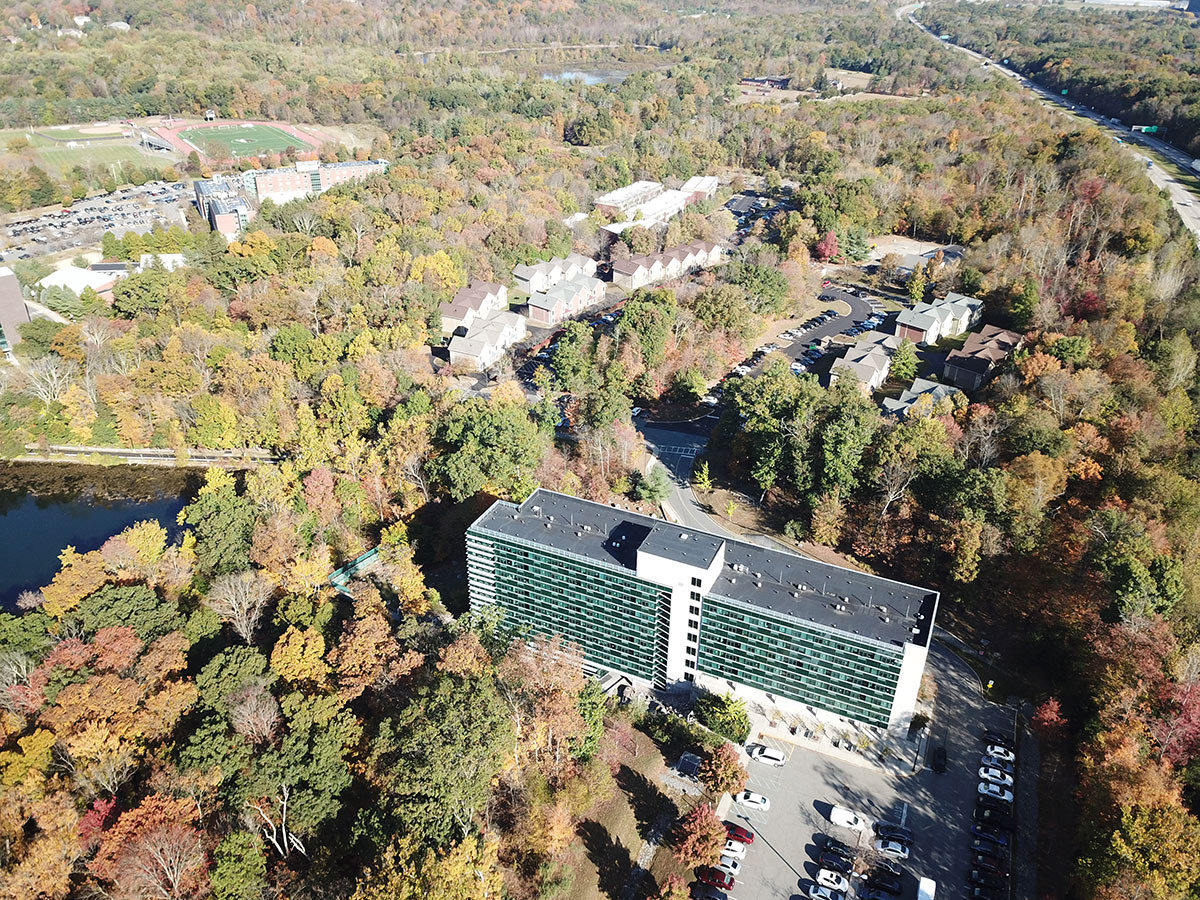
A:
(209, 701)
(1138, 66)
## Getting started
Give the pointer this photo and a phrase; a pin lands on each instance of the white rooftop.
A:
(75, 280)
(627, 195)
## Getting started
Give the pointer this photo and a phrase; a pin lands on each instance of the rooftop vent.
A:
(537, 510)
(758, 584)
(579, 534)
(915, 630)
(683, 537)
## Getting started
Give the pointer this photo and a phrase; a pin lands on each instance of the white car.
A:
(730, 866)
(839, 815)
(835, 881)
(820, 892)
(742, 370)
(995, 776)
(891, 849)
(768, 755)
(995, 790)
(734, 849)
(753, 800)
(637, 411)
(1001, 753)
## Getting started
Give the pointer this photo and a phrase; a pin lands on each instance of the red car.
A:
(826, 283)
(716, 878)
(738, 833)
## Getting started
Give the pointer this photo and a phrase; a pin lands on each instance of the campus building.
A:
(229, 217)
(665, 605)
(13, 312)
(305, 178)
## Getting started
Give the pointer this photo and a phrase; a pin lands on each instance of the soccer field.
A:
(230, 141)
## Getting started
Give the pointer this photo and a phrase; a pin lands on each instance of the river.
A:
(44, 508)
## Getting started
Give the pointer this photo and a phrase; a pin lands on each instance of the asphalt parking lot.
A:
(781, 864)
(83, 224)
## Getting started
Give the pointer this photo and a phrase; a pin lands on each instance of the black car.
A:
(883, 864)
(993, 803)
(981, 893)
(939, 760)
(890, 831)
(988, 879)
(993, 817)
(832, 844)
(873, 893)
(885, 881)
(836, 860)
(998, 737)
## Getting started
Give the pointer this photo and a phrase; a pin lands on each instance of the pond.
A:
(594, 76)
(44, 508)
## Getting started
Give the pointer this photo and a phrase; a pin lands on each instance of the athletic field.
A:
(232, 141)
(52, 150)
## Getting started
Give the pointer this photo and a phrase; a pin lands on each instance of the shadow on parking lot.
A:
(648, 802)
(613, 862)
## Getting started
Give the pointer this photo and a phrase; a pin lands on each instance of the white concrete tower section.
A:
(688, 563)
(908, 684)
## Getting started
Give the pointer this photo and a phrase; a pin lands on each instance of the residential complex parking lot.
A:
(82, 225)
(782, 862)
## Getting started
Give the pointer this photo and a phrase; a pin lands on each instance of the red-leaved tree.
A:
(827, 247)
(699, 837)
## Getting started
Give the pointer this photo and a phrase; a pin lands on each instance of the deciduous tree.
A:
(699, 837)
(722, 772)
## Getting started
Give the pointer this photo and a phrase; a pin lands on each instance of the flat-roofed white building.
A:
(701, 187)
(614, 203)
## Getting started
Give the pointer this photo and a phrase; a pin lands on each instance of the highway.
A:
(1183, 200)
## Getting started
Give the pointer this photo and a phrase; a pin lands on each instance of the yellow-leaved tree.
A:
(298, 657)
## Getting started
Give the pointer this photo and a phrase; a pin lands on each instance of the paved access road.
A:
(1181, 197)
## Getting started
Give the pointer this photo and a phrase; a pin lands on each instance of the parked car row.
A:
(87, 219)
(713, 881)
(991, 828)
(869, 324)
(837, 862)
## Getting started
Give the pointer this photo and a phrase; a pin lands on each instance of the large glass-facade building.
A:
(662, 604)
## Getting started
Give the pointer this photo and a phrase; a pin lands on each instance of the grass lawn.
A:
(221, 141)
(611, 836)
(56, 158)
(105, 154)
